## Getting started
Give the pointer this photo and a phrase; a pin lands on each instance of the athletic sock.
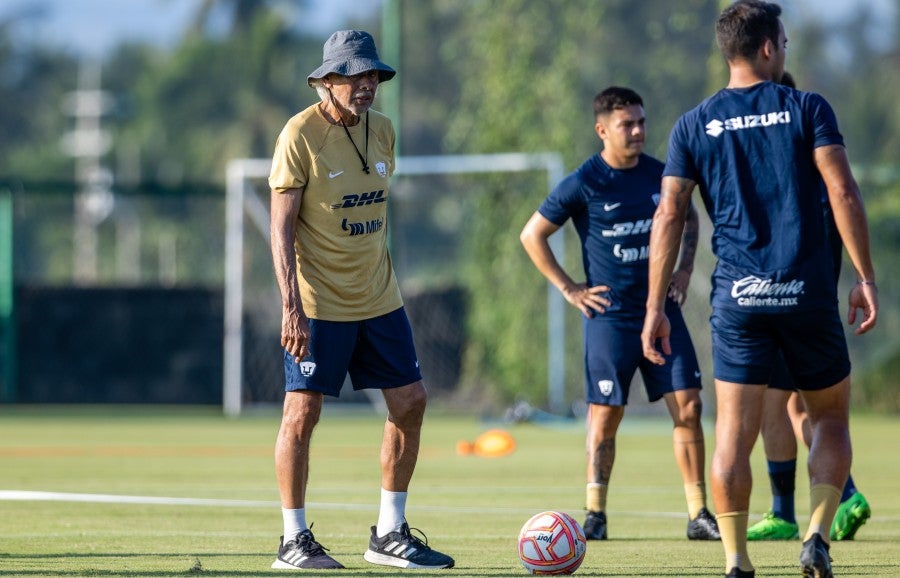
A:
(782, 477)
(392, 513)
(823, 503)
(733, 529)
(294, 522)
(849, 489)
(695, 493)
(596, 497)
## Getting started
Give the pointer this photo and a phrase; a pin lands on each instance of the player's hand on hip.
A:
(295, 334)
(589, 300)
(863, 296)
(678, 287)
(656, 327)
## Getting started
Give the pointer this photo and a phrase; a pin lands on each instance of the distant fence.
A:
(113, 345)
(144, 323)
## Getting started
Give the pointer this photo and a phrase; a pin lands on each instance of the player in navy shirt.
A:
(611, 199)
(784, 421)
(757, 150)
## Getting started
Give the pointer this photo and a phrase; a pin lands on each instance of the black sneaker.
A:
(595, 526)
(403, 550)
(304, 552)
(738, 573)
(815, 561)
(703, 527)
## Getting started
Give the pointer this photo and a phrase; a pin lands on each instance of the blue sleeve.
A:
(679, 162)
(564, 201)
(825, 126)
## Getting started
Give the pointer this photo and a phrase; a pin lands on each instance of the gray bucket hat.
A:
(348, 53)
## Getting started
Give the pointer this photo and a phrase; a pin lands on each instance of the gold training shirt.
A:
(344, 269)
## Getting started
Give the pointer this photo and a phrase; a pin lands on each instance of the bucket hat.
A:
(348, 53)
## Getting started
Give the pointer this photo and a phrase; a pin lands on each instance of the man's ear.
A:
(768, 49)
(600, 129)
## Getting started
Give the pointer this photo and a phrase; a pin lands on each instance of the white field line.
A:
(34, 496)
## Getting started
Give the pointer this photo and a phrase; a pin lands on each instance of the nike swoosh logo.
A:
(331, 174)
(697, 374)
(610, 206)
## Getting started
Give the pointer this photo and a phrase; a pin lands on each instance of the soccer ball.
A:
(552, 543)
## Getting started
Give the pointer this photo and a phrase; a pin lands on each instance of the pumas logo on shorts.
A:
(307, 368)
(606, 386)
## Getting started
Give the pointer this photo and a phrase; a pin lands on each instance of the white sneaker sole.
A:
(385, 560)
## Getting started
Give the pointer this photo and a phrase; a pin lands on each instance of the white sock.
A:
(392, 513)
(294, 522)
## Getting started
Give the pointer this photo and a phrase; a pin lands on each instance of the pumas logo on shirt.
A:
(716, 127)
(381, 169)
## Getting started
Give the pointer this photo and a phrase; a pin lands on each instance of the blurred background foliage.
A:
(474, 77)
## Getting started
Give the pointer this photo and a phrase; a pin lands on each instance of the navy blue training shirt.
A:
(612, 210)
(750, 150)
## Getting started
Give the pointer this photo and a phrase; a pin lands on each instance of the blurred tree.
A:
(476, 77)
(216, 99)
(33, 83)
(528, 73)
(242, 13)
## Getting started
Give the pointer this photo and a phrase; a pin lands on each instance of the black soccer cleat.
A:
(303, 552)
(738, 573)
(595, 526)
(703, 527)
(815, 562)
(403, 550)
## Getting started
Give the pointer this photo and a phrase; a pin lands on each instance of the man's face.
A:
(622, 131)
(353, 93)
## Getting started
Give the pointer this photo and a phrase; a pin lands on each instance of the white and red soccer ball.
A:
(552, 543)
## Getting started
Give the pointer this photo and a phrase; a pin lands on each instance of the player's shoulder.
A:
(306, 116)
(307, 125)
(379, 123)
(593, 173)
(650, 164)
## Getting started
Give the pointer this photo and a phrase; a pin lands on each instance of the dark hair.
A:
(788, 80)
(745, 26)
(613, 98)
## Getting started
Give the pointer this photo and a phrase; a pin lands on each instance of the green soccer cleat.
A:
(850, 516)
(771, 527)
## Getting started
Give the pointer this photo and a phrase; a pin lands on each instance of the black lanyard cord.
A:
(363, 159)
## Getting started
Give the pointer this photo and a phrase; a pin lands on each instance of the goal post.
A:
(242, 206)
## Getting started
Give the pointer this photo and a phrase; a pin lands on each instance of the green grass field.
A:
(225, 520)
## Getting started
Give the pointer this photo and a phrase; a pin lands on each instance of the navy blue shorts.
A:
(781, 377)
(746, 345)
(378, 353)
(613, 353)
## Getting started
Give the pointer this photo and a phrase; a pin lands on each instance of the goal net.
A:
(430, 200)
